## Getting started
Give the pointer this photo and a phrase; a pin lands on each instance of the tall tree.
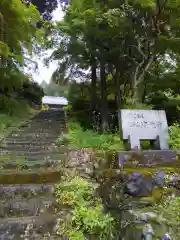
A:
(133, 35)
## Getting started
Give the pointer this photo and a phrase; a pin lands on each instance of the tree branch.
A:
(139, 49)
(158, 5)
(146, 68)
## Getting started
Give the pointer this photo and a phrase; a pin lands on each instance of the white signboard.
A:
(144, 124)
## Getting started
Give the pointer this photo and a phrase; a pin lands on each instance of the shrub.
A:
(87, 218)
(174, 136)
(12, 112)
(169, 211)
(77, 137)
(5, 122)
(130, 105)
(32, 92)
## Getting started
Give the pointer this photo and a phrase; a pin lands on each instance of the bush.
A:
(13, 107)
(174, 136)
(137, 106)
(170, 104)
(5, 122)
(32, 92)
(169, 212)
(12, 112)
(87, 218)
(77, 137)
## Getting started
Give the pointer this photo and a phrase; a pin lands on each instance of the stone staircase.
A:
(29, 168)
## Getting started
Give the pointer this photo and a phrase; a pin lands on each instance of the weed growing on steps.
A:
(86, 218)
(79, 138)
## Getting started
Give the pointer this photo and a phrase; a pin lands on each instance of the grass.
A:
(79, 138)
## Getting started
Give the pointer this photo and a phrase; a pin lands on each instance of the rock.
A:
(159, 178)
(146, 216)
(138, 186)
(166, 237)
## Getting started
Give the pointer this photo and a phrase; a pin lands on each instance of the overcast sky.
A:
(44, 73)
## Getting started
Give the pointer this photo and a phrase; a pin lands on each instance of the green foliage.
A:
(174, 136)
(12, 112)
(163, 86)
(5, 121)
(169, 211)
(18, 26)
(139, 44)
(53, 89)
(74, 192)
(18, 36)
(67, 108)
(137, 106)
(77, 137)
(9, 106)
(81, 106)
(32, 92)
(11, 102)
(87, 217)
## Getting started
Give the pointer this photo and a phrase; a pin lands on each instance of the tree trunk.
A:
(93, 84)
(117, 88)
(104, 102)
(138, 93)
(138, 80)
(118, 96)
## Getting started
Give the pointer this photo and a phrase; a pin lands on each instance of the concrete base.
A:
(148, 157)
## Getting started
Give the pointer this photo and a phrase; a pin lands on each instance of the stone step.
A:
(52, 125)
(29, 168)
(30, 157)
(29, 151)
(35, 138)
(28, 147)
(25, 191)
(50, 116)
(34, 131)
(28, 227)
(12, 140)
(44, 129)
(46, 121)
(29, 164)
(28, 207)
(50, 113)
(30, 177)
